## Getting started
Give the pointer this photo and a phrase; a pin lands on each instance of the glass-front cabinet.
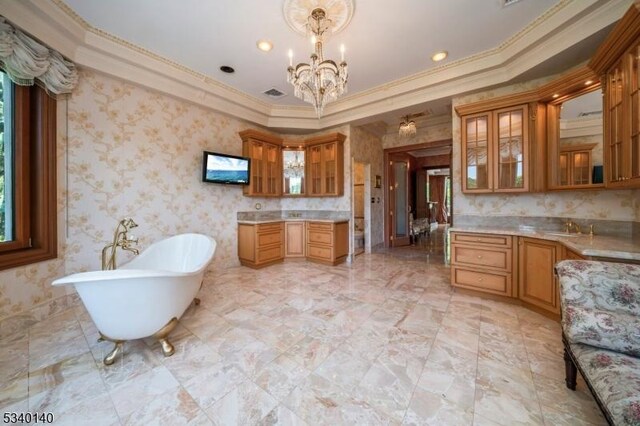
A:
(265, 152)
(617, 63)
(510, 148)
(310, 167)
(495, 147)
(325, 170)
(477, 175)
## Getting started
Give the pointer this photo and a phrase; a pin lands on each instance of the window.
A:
(27, 175)
(6, 179)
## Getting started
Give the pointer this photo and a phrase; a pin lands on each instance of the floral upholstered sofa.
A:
(601, 333)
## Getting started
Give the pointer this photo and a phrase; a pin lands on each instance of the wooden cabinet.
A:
(618, 62)
(325, 165)
(537, 283)
(482, 262)
(574, 167)
(260, 245)
(327, 242)
(500, 147)
(265, 152)
(295, 239)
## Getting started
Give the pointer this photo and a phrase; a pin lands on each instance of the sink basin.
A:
(563, 234)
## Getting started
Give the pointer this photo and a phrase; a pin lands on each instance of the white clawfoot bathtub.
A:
(149, 293)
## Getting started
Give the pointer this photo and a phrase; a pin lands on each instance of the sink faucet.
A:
(120, 239)
(569, 224)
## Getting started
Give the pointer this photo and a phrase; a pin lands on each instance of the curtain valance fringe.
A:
(26, 61)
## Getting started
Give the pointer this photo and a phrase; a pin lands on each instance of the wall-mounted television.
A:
(224, 168)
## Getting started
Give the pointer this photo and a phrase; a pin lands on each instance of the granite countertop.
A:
(617, 247)
(290, 219)
(272, 216)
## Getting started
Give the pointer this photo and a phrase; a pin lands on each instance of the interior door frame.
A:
(386, 179)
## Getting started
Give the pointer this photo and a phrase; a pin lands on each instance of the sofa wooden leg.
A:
(571, 371)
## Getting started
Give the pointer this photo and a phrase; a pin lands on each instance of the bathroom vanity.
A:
(266, 238)
(518, 263)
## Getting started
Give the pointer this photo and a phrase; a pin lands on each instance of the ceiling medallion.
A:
(321, 80)
(296, 13)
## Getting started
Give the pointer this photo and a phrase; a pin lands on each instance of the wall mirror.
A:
(293, 171)
(576, 139)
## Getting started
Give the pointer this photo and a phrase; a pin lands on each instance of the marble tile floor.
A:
(381, 341)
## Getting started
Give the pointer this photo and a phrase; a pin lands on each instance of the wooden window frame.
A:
(34, 170)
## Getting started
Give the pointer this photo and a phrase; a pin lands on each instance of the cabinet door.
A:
(580, 168)
(476, 164)
(257, 168)
(294, 243)
(314, 179)
(563, 172)
(272, 170)
(614, 127)
(511, 149)
(536, 278)
(329, 168)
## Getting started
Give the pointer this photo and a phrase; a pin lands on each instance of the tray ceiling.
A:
(385, 40)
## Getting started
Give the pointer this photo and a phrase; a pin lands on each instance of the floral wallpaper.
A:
(609, 204)
(138, 153)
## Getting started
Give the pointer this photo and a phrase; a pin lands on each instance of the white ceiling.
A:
(385, 41)
(588, 103)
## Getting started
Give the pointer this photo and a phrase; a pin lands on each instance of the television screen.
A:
(223, 168)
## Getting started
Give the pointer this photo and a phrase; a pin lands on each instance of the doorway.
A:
(361, 209)
(417, 191)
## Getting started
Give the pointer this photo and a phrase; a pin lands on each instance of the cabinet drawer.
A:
(484, 257)
(269, 254)
(491, 282)
(320, 237)
(320, 226)
(270, 227)
(269, 238)
(319, 252)
(495, 240)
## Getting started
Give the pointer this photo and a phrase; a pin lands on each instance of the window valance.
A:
(26, 61)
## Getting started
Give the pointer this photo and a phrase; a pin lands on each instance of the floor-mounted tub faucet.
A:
(120, 239)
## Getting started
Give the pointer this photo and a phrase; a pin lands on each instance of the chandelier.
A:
(407, 127)
(320, 81)
(294, 168)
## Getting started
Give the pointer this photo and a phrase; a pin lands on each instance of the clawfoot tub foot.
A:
(196, 301)
(161, 335)
(111, 357)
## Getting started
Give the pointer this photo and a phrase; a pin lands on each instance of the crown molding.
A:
(560, 27)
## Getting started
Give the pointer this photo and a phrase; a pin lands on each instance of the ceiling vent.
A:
(274, 93)
(506, 3)
(590, 113)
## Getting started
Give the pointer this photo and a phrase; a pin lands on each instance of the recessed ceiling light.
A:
(588, 82)
(555, 95)
(438, 56)
(227, 69)
(264, 45)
